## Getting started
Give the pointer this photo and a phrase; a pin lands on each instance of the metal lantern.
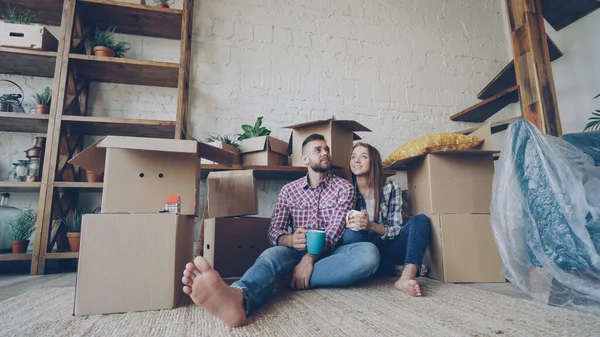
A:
(35, 156)
(10, 102)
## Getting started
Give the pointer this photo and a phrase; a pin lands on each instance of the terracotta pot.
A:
(42, 109)
(104, 51)
(19, 246)
(73, 238)
(162, 5)
(93, 177)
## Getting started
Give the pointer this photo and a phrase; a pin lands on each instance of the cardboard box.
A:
(27, 36)
(264, 151)
(227, 147)
(232, 193)
(132, 262)
(139, 173)
(138, 2)
(463, 249)
(339, 135)
(232, 245)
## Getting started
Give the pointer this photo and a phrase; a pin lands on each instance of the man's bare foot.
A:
(423, 273)
(407, 282)
(208, 290)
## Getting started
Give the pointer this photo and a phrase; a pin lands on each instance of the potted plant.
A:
(73, 225)
(225, 139)
(163, 3)
(93, 177)
(254, 131)
(103, 43)
(594, 121)
(43, 100)
(22, 227)
(21, 18)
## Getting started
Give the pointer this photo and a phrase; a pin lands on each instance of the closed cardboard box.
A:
(264, 151)
(339, 135)
(232, 245)
(232, 193)
(27, 36)
(451, 183)
(132, 262)
(462, 249)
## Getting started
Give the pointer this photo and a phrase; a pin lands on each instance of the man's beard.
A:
(320, 166)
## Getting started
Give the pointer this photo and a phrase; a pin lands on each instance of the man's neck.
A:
(315, 178)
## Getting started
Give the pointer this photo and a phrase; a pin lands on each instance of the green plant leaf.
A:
(22, 226)
(258, 123)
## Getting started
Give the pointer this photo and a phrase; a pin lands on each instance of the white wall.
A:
(577, 72)
(401, 68)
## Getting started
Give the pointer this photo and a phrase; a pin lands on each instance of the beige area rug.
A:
(372, 309)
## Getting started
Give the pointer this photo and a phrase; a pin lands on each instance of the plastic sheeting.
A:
(545, 216)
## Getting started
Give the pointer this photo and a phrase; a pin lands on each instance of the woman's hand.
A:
(358, 221)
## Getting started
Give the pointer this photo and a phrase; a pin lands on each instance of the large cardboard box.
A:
(339, 135)
(139, 173)
(264, 151)
(232, 245)
(132, 262)
(227, 147)
(463, 249)
(27, 36)
(232, 193)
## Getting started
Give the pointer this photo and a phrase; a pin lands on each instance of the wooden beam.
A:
(185, 60)
(532, 65)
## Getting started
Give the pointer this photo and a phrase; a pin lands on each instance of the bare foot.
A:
(407, 282)
(423, 273)
(208, 290)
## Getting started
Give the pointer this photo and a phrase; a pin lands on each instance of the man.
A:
(319, 200)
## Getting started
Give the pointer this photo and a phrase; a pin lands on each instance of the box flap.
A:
(346, 124)
(91, 158)
(485, 133)
(149, 144)
(278, 145)
(253, 144)
(213, 153)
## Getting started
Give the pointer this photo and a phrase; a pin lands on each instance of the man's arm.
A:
(335, 228)
(278, 233)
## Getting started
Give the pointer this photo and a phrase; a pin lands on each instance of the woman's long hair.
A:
(376, 176)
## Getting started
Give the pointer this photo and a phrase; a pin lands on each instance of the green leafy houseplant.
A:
(225, 139)
(594, 121)
(22, 226)
(106, 38)
(44, 97)
(21, 18)
(73, 221)
(254, 131)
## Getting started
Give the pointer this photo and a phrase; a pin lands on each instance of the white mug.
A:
(352, 212)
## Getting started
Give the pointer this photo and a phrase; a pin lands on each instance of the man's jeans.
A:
(345, 265)
(406, 248)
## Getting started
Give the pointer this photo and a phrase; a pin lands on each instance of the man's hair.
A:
(314, 136)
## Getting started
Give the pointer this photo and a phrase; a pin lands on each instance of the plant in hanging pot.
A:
(73, 224)
(42, 101)
(103, 43)
(163, 3)
(22, 227)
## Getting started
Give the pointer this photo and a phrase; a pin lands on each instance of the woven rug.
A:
(373, 308)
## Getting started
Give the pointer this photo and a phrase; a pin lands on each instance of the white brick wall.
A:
(399, 67)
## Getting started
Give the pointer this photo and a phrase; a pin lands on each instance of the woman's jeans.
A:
(344, 265)
(406, 248)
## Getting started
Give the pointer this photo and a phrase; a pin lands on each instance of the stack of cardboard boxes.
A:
(133, 254)
(454, 189)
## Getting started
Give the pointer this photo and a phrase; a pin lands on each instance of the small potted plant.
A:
(103, 43)
(43, 100)
(93, 177)
(254, 131)
(73, 224)
(163, 3)
(21, 18)
(22, 227)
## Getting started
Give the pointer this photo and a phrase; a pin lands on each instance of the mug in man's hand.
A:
(315, 241)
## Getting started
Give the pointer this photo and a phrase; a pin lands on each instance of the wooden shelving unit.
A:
(78, 185)
(271, 172)
(98, 126)
(15, 186)
(46, 12)
(25, 62)
(23, 122)
(15, 257)
(61, 255)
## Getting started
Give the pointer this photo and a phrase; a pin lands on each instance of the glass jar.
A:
(20, 170)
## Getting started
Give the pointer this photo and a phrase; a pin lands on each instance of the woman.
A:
(380, 220)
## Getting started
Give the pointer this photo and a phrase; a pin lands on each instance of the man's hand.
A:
(299, 239)
(302, 273)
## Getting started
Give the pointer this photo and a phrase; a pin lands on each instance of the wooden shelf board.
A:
(126, 71)
(484, 110)
(561, 13)
(104, 126)
(271, 172)
(15, 257)
(62, 255)
(46, 12)
(507, 78)
(79, 185)
(496, 127)
(23, 122)
(27, 62)
(132, 19)
(16, 186)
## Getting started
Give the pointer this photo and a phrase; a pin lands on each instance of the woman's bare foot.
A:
(407, 282)
(208, 290)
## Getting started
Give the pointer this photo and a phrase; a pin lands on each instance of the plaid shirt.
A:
(323, 207)
(390, 209)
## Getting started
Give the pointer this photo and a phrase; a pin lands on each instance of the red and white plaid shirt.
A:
(323, 207)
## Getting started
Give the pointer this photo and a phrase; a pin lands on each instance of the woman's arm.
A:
(393, 220)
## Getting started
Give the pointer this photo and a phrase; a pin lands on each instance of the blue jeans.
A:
(408, 247)
(344, 265)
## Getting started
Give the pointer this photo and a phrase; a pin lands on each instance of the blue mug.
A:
(315, 240)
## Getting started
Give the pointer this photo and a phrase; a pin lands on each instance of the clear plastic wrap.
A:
(545, 216)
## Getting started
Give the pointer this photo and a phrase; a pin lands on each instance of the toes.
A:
(191, 268)
(202, 265)
(191, 275)
(187, 290)
(187, 281)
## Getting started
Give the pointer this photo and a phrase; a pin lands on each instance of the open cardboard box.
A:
(139, 173)
(228, 147)
(339, 134)
(264, 151)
